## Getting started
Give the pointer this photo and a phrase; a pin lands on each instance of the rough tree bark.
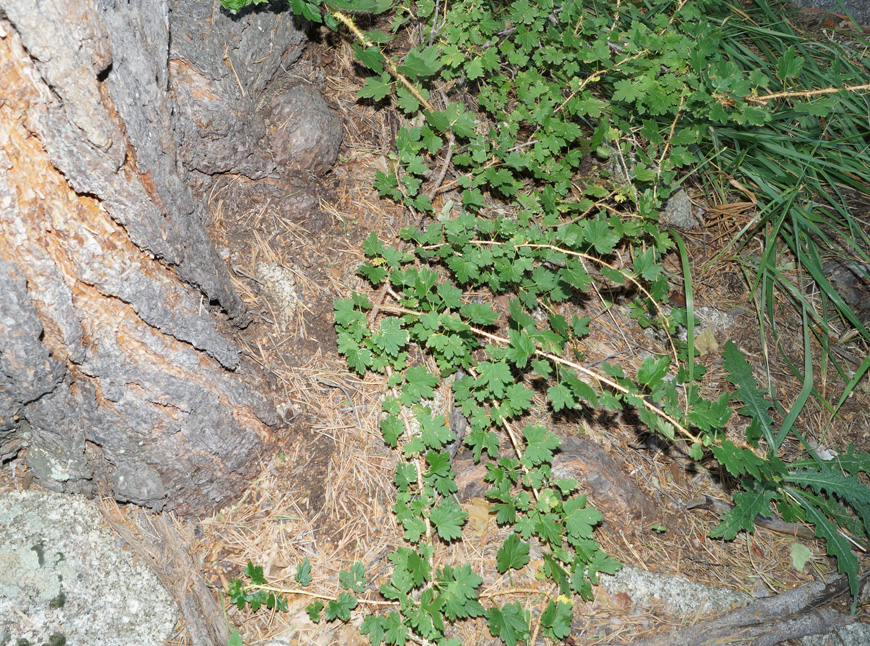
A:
(117, 372)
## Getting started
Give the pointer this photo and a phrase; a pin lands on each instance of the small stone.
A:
(677, 212)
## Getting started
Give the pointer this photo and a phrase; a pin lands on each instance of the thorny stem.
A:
(315, 595)
(808, 93)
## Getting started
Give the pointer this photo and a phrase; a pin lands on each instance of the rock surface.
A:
(677, 212)
(858, 9)
(679, 595)
(64, 575)
(643, 589)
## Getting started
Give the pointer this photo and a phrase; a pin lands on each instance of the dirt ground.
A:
(326, 492)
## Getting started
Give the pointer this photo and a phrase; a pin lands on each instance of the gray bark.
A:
(116, 371)
(221, 66)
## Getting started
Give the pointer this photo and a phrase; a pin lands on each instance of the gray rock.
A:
(857, 634)
(677, 212)
(63, 574)
(684, 597)
(859, 10)
(680, 596)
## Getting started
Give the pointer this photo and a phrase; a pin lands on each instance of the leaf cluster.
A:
(828, 494)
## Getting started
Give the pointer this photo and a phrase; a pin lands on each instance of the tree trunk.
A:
(116, 371)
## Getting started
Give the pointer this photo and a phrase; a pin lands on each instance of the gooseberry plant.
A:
(513, 98)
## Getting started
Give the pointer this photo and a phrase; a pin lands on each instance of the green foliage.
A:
(510, 623)
(755, 405)
(241, 595)
(353, 579)
(827, 494)
(303, 573)
(237, 5)
(513, 554)
(651, 88)
(340, 608)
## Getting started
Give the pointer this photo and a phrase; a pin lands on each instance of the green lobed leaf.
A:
(421, 63)
(434, 430)
(556, 620)
(353, 579)
(419, 384)
(341, 607)
(303, 573)
(391, 337)
(493, 379)
(747, 505)
(255, 573)
(479, 314)
(305, 9)
(739, 461)
(522, 346)
(540, 444)
(514, 553)
(652, 370)
(580, 389)
(313, 609)
(426, 619)
(510, 623)
(395, 630)
(600, 234)
(580, 520)
(448, 518)
(561, 397)
(755, 405)
(458, 588)
(391, 430)
(373, 626)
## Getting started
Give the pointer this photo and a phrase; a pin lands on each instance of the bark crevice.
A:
(116, 371)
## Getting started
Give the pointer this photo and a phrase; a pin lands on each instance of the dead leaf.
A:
(623, 600)
(705, 343)
(478, 516)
